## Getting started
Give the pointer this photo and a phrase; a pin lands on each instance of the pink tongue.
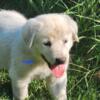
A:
(58, 70)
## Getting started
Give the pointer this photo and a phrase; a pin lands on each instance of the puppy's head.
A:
(52, 35)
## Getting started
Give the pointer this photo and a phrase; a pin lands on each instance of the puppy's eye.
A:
(65, 41)
(48, 43)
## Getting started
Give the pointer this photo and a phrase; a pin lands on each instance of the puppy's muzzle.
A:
(60, 60)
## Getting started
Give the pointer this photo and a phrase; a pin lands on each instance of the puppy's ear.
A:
(73, 27)
(30, 30)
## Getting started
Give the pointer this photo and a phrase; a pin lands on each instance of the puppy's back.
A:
(11, 19)
(10, 24)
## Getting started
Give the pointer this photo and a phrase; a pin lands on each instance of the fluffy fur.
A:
(22, 39)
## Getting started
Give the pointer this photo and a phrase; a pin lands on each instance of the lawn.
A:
(83, 73)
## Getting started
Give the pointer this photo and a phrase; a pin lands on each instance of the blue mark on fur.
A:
(28, 61)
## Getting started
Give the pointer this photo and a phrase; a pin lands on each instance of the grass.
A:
(83, 82)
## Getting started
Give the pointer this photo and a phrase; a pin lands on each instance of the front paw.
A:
(62, 96)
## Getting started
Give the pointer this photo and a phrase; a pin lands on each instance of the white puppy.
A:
(36, 48)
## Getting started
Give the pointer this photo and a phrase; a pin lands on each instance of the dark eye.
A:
(48, 43)
(65, 41)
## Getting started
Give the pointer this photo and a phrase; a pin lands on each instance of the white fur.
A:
(22, 39)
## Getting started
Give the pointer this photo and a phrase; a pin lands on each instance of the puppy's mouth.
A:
(56, 69)
(46, 60)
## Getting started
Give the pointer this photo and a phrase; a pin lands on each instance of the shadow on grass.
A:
(5, 90)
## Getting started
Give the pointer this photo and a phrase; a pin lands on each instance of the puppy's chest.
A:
(40, 71)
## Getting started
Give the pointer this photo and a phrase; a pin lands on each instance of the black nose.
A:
(60, 61)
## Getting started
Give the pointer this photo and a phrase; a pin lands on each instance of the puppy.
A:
(36, 48)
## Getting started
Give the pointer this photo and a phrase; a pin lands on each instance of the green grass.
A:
(83, 84)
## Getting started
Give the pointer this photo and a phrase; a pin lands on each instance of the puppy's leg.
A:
(57, 87)
(20, 89)
(19, 85)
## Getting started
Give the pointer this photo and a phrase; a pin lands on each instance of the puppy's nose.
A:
(60, 60)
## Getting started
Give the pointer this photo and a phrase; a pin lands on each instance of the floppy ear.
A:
(30, 30)
(73, 27)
